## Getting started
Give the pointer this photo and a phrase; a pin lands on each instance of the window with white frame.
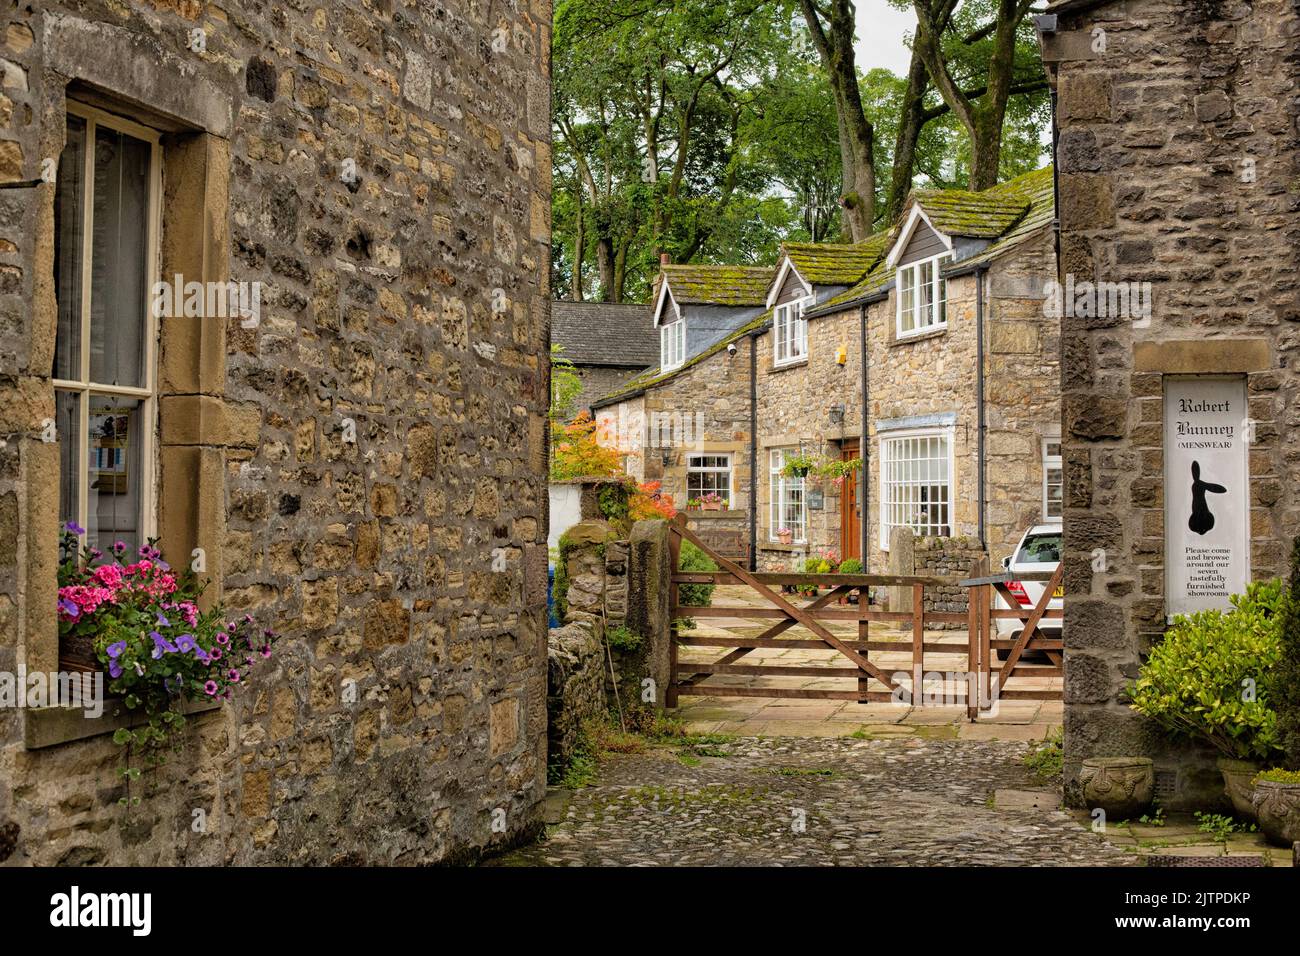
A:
(916, 484)
(709, 475)
(787, 508)
(789, 332)
(106, 262)
(1053, 480)
(672, 344)
(922, 296)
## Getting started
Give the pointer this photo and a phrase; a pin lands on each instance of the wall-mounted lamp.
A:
(666, 458)
(837, 414)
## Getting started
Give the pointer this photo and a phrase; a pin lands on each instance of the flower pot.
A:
(1237, 777)
(713, 506)
(787, 538)
(1277, 807)
(1122, 786)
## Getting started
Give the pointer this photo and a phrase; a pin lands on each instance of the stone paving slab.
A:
(860, 802)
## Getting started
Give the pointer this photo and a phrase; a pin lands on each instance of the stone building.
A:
(1178, 153)
(967, 423)
(607, 342)
(696, 306)
(346, 448)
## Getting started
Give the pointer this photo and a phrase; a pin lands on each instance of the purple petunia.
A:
(115, 650)
(233, 675)
(223, 638)
(69, 608)
(210, 688)
(75, 528)
(161, 645)
(114, 669)
(162, 621)
(186, 643)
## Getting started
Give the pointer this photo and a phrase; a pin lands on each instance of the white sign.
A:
(1207, 492)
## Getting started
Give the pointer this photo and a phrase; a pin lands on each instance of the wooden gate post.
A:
(675, 559)
(864, 635)
(977, 570)
(918, 640)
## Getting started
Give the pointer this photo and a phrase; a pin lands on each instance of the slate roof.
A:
(835, 263)
(1033, 193)
(980, 215)
(718, 285)
(605, 333)
(1030, 197)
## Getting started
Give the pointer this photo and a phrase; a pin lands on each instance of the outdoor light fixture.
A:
(666, 458)
(837, 414)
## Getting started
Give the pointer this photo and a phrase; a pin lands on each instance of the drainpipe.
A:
(864, 486)
(979, 396)
(753, 453)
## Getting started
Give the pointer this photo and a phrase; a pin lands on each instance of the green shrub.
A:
(1286, 682)
(850, 566)
(623, 638)
(693, 559)
(1212, 677)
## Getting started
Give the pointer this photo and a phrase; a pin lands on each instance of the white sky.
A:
(881, 29)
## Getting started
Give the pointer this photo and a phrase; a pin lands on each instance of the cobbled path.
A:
(891, 802)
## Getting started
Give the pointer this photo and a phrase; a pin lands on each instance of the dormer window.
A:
(922, 296)
(790, 332)
(672, 344)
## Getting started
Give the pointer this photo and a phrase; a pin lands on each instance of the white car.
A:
(1039, 550)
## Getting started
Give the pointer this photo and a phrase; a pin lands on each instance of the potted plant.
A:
(1277, 791)
(142, 619)
(799, 466)
(785, 535)
(693, 504)
(838, 471)
(1212, 679)
(850, 566)
(711, 501)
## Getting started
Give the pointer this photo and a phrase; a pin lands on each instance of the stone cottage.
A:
(607, 343)
(344, 426)
(961, 438)
(1178, 154)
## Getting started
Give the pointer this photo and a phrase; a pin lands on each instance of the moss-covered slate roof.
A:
(956, 212)
(652, 377)
(836, 263)
(1033, 192)
(718, 285)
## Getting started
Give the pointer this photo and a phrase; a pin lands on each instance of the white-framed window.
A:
(787, 507)
(916, 483)
(922, 296)
(106, 216)
(709, 474)
(672, 344)
(789, 332)
(1053, 480)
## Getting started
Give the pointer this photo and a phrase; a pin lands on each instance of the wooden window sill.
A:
(51, 726)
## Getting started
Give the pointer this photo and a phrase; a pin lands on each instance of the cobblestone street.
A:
(895, 802)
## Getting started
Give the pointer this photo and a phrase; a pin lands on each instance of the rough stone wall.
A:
(702, 409)
(598, 381)
(946, 557)
(1178, 162)
(794, 403)
(575, 688)
(374, 558)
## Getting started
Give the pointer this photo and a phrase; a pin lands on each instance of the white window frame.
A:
(82, 386)
(907, 279)
(1051, 462)
(886, 448)
(727, 469)
(672, 345)
(790, 332)
(778, 487)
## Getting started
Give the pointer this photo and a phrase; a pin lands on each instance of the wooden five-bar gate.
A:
(984, 682)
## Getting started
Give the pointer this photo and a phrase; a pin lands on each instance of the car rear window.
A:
(1040, 549)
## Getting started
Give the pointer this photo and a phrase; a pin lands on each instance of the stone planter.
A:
(786, 538)
(1237, 784)
(1122, 786)
(1277, 807)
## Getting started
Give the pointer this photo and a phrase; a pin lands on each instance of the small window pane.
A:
(69, 202)
(120, 264)
(67, 421)
(114, 466)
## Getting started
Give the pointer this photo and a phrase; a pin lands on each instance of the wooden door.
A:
(850, 509)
